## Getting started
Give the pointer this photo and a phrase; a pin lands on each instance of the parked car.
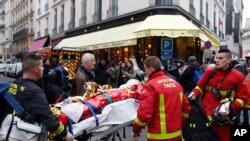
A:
(1, 67)
(14, 69)
(11, 72)
(6, 69)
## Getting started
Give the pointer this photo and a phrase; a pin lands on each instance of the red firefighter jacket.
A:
(247, 104)
(162, 108)
(224, 81)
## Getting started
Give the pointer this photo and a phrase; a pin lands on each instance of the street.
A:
(124, 137)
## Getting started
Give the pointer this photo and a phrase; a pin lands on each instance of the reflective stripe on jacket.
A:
(162, 107)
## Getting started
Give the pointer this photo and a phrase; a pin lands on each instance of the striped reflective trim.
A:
(185, 115)
(240, 101)
(140, 123)
(192, 125)
(201, 91)
(223, 93)
(162, 114)
(58, 130)
(247, 106)
(210, 118)
(224, 100)
(181, 96)
(165, 135)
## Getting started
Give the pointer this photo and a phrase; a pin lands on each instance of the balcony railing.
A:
(20, 34)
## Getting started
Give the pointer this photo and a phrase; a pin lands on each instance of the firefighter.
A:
(163, 105)
(223, 93)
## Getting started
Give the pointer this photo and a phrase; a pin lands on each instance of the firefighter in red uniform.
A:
(224, 93)
(163, 106)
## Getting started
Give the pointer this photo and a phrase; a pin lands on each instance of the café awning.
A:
(172, 26)
(167, 25)
(113, 37)
(37, 44)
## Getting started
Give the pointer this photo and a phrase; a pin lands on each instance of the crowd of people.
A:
(165, 98)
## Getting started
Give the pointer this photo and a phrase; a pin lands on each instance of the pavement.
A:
(123, 134)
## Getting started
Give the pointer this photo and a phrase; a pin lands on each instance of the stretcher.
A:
(113, 117)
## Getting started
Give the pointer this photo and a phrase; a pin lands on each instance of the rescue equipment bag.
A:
(198, 127)
(13, 128)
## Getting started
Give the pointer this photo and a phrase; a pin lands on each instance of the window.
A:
(54, 32)
(201, 12)
(164, 2)
(207, 10)
(191, 7)
(55, 18)
(83, 19)
(98, 11)
(72, 15)
(47, 25)
(113, 8)
(62, 15)
(61, 27)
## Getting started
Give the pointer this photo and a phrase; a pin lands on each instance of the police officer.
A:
(32, 97)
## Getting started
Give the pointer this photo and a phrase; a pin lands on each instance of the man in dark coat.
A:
(85, 73)
(186, 78)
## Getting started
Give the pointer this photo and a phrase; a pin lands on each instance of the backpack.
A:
(197, 75)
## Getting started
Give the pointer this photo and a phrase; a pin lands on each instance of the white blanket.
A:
(115, 113)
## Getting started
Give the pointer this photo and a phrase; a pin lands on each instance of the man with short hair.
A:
(32, 97)
(223, 92)
(163, 106)
(85, 73)
(186, 79)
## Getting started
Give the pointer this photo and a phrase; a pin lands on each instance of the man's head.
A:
(88, 61)
(32, 67)
(152, 64)
(192, 59)
(223, 59)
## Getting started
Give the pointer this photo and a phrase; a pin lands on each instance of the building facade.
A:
(22, 25)
(71, 18)
(234, 10)
(245, 39)
(247, 25)
(5, 30)
(60, 19)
